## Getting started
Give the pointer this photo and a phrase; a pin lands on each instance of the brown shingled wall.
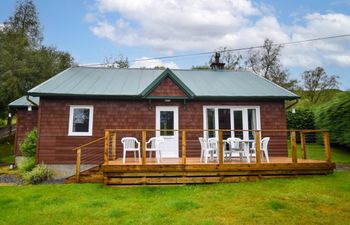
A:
(55, 146)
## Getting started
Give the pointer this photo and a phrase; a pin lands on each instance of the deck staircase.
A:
(92, 175)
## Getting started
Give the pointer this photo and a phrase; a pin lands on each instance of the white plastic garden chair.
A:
(212, 150)
(264, 148)
(236, 146)
(131, 144)
(155, 147)
(207, 150)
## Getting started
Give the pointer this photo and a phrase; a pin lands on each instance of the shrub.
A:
(28, 146)
(38, 175)
(300, 120)
(27, 164)
(335, 116)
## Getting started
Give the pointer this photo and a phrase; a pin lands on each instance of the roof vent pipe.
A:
(216, 65)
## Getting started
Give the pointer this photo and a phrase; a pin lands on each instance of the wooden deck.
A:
(189, 170)
(196, 160)
(172, 171)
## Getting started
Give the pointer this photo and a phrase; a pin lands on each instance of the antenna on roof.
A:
(217, 65)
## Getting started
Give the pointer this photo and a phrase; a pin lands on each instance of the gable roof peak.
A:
(167, 73)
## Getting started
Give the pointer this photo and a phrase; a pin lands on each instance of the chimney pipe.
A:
(216, 65)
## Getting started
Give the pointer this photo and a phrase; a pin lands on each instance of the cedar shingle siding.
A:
(55, 146)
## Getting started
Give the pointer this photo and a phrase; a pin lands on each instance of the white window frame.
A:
(91, 118)
(244, 110)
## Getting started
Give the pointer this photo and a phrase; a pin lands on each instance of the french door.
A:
(232, 118)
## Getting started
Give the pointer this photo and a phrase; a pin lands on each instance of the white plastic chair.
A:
(212, 149)
(264, 148)
(204, 147)
(131, 144)
(208, 148)
(155, 143)
(236, 146)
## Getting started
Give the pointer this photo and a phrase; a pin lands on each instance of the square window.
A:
(80, 121)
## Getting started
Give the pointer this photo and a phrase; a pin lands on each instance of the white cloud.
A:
(151, 63)
(201, 25)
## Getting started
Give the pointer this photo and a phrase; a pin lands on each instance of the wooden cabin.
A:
(92, 109)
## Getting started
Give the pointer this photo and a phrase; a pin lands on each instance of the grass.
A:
(316, 151)
(6, 153)
(304, 200)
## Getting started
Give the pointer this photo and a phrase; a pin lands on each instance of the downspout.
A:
(290, 106)
(33, 103)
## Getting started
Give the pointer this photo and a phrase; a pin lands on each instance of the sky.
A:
(92, 30)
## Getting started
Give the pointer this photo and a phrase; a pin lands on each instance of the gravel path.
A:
(10, 179)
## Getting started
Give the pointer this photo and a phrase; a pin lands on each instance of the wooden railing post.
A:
(77, 168)
(293, 143)
(183, 139)
(114, 146)
(106, 147)
(302, 144)
(221, 148)
(327, 146)
(143, 145)
(257, 147)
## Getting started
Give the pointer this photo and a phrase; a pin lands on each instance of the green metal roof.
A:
(23, 102)
(91, 81)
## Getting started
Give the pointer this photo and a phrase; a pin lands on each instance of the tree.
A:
(26, 22)
(201, 67)
(316, 81)
(266, 63)
(120, 62)
(24, 61)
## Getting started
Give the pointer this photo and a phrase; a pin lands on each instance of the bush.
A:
(27, 164)
(301, 119)
(335, 116)
(28, 146)
(38, 175)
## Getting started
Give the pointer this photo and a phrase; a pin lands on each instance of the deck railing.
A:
(111, 143)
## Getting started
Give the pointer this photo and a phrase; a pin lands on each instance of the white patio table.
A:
(246, 148)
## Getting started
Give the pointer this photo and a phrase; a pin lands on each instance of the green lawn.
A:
(316, 151)
(303, 200)
(6, 153)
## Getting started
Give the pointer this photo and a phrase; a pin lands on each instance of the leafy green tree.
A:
(159, 67)
(315, 82)
(201, 67)
(24, 61)
(26, 22)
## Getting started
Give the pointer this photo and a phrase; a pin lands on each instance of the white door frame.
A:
(170, 148)
(244, 110)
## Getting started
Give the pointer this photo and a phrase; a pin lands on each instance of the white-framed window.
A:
(80, 120)
(232, 118)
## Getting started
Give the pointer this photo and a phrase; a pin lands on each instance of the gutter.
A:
(290, 106)
(33, 103)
